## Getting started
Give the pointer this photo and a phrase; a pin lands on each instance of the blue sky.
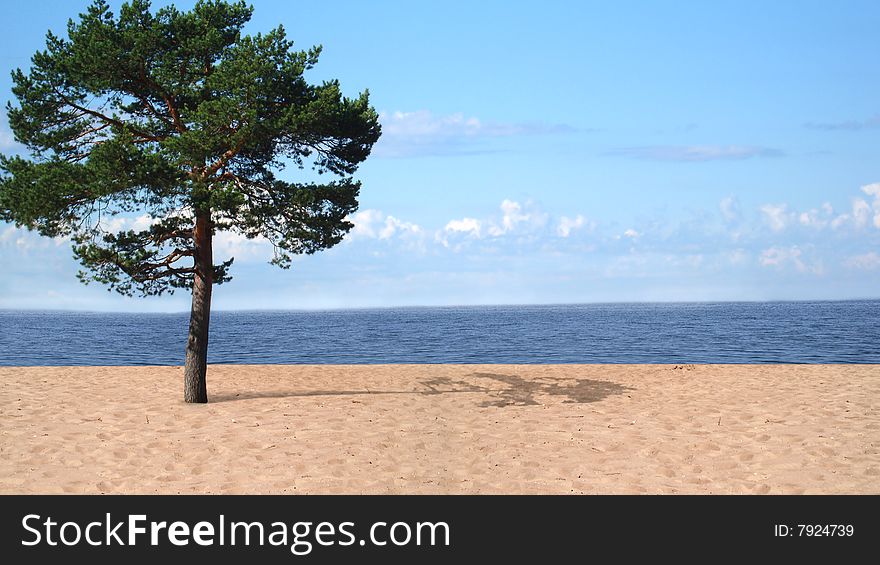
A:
(549, 152)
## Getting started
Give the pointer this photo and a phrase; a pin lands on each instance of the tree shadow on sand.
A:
(251, 394)
(518, 391)
(524, 392)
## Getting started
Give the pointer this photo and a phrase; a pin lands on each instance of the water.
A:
(771, 332)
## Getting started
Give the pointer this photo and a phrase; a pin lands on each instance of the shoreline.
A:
(443, 429)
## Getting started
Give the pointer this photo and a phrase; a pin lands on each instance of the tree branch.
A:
(162, 274)
(107, 119)
(168, 99)
(221, 162)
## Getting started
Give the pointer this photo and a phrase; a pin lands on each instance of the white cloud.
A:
(873, 189)
(394, 226)
(7, 139)
(225, 243)
(730, 209)
(512, 215)
(25, 240)
(781, 257)
(776, 216)
(470, 226)
(840, 221)
(864, 212)
(15, 237)
(568, 225)
(365, 223)
(817, 219)
(867, 262)
(374, 224)
(232, 244)
(695, 153)
(516, 219)
(424, 124)
(777, 256)
(7, 142)
(466, 227)
(631, 233)
(407, 134)
(116, 224)
(861, 212)
(852, 125)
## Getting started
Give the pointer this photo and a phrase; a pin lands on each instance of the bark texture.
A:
(195, 387)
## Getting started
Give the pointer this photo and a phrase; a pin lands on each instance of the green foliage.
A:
(177, 114)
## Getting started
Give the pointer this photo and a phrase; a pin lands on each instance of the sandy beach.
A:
(443, 429)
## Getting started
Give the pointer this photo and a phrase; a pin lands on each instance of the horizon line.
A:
(442, 306)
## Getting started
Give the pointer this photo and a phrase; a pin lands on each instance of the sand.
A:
(443, 429)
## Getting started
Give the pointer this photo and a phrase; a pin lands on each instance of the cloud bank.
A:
(847, 125)
(695, 153)
(421, 133)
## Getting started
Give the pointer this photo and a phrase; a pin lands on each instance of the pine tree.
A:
(180, 116)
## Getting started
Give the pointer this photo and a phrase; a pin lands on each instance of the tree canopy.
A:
(179, 115)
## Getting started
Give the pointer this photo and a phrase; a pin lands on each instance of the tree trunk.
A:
(195, 387)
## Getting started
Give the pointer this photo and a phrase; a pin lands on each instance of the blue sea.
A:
(741, 332)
